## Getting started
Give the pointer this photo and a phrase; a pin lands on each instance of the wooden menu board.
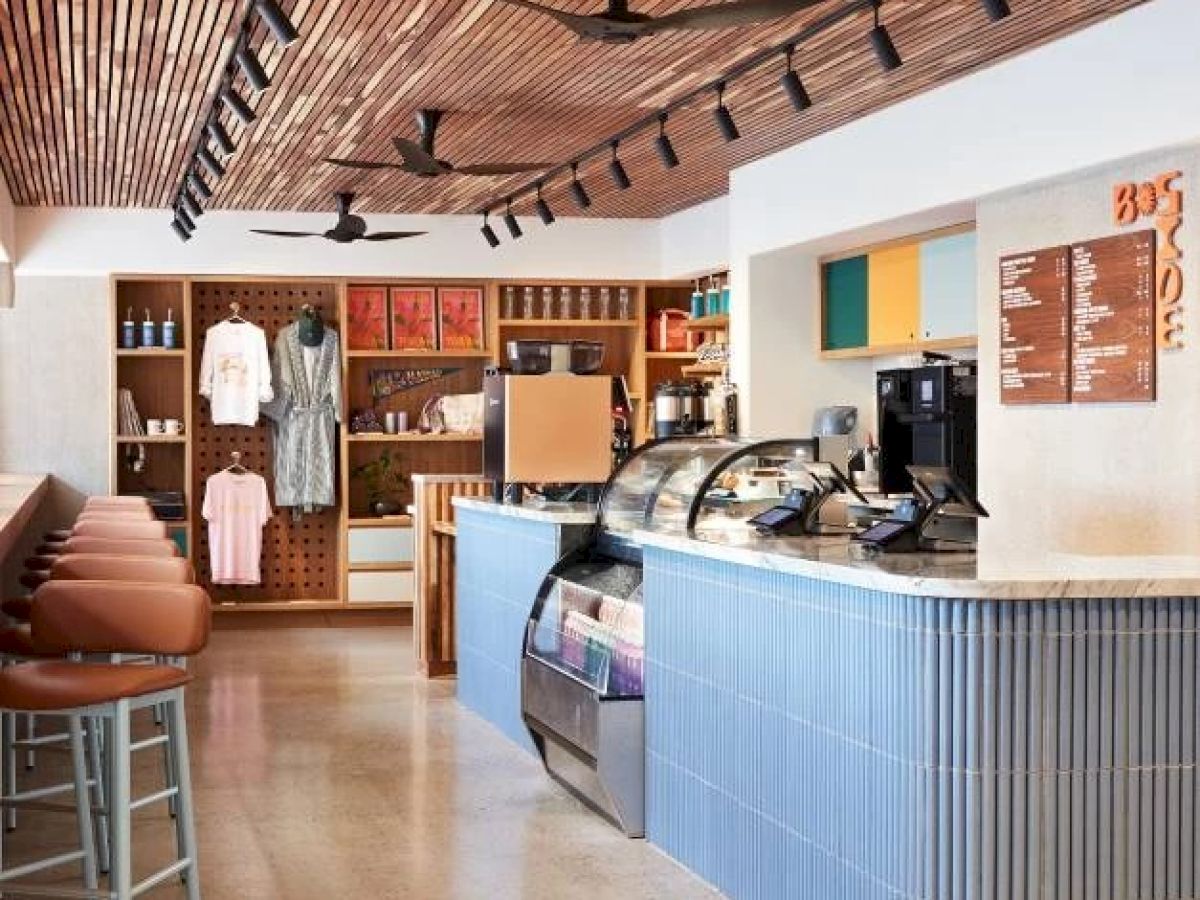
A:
(1034, 334)
(1112, 319)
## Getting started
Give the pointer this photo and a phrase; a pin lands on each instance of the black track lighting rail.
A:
(241, 58)
(653, 120)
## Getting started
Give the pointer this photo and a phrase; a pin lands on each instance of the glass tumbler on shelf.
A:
(605, 310)
(623, 304)
(527, 304)
(585, 303)
(564, 302)
(510, 303)
(547, 303)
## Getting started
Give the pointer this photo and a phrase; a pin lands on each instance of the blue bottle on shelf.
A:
(148, 331)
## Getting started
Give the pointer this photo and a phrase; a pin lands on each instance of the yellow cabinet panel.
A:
(894, 286)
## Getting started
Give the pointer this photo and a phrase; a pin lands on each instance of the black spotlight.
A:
(794, 87)
(514, 227)
(184, 218)
(996, 9)
(188, 202)
(274, 18)
(210, 162)
(724, 117)
(236, 105)
(489, 233)
(180, 230)
(543, 208)
(220, 137)
(251, 68)
(881, 41)
(199, 185)
(578, 191)
(619, 176)
(663, 143)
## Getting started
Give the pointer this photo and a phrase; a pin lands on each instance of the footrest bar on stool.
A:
(42, 741)
(160, 876)
(40, 866)
(148, 742)
(22, 797)
(60, 893)
(164, 794)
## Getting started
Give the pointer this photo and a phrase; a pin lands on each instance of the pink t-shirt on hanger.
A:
(236, 507)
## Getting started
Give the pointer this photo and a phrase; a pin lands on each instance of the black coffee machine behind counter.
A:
(926, 417)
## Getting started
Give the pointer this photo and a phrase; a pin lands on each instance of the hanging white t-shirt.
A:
(236, 508)
(235, 372)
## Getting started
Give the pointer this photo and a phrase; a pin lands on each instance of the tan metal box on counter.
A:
(548, 428)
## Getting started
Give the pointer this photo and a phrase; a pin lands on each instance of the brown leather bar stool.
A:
(116, 500)
(122, 527)
(83, 617)
(37, 568)
(103, 513)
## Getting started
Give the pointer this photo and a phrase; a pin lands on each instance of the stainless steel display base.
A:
(594, 746)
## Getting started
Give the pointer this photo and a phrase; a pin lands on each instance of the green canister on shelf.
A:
(697, 304)
(725, 300)
(714, 302)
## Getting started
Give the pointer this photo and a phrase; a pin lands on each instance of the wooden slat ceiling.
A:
(102, 99)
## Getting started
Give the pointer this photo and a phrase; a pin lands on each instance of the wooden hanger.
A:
(236, 310)
(236, 468)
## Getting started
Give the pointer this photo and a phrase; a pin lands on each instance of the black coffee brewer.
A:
(681, 408)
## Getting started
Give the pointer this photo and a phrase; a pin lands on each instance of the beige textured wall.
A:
(1088, 480)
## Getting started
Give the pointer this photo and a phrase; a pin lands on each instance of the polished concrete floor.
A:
(324, 767)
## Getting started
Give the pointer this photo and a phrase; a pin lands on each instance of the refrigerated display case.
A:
(582, 671)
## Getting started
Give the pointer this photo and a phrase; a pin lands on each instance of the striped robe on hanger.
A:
(304, 421)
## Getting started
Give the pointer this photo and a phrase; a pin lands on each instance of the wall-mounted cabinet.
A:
(905, 296)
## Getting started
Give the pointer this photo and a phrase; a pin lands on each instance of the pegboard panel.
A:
(300, 558)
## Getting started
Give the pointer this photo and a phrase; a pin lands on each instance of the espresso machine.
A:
(681, 408)
(926, 417)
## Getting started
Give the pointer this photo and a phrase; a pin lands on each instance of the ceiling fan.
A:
(419, 159)
(349, 228)
(618, 25)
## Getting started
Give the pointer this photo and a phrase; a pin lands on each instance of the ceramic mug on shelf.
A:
(154, 426)
(172, 426)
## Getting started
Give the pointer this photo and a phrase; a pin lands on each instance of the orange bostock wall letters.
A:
(1161, 199)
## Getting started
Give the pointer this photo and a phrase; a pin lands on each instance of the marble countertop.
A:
(952, 575)
(556, 513)
(19, 497)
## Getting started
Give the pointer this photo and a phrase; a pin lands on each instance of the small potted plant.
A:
(384, 480)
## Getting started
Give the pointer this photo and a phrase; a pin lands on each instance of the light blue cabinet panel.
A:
(948, 287)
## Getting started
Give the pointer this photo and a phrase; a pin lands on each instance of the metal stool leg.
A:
(10, 766)
(121, 867)
(99, 791)
(185, 822)
(83, 804)
(30, 734)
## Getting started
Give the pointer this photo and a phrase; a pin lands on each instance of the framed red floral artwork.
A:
(366, 318)
(460, 318)
(414, 318)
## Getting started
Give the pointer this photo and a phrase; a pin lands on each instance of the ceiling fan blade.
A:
(360, 164)
(273, 233)
(391, 235)
(502, 168)
(416, 159)
(730, 15)
(584, 26)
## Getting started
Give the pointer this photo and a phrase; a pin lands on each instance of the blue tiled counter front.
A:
(815, 740)
(502, 555)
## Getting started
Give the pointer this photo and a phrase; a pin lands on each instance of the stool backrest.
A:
(119, 547)
(119, 617)
(93, 567)
(117, 513)
(115, 500)
(124, 530)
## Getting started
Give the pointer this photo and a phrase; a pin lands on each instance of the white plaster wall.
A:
(1087, 479)
(1122, 87)
(696, 240)
(76, 241)
(54, 381)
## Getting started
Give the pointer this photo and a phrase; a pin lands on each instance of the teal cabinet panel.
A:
(845, 298)
(948, 287)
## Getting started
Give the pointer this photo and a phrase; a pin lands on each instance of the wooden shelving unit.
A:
(418, 354)
(569, 323)
(412, 438)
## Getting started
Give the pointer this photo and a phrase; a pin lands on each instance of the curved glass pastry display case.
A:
(581, 685)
